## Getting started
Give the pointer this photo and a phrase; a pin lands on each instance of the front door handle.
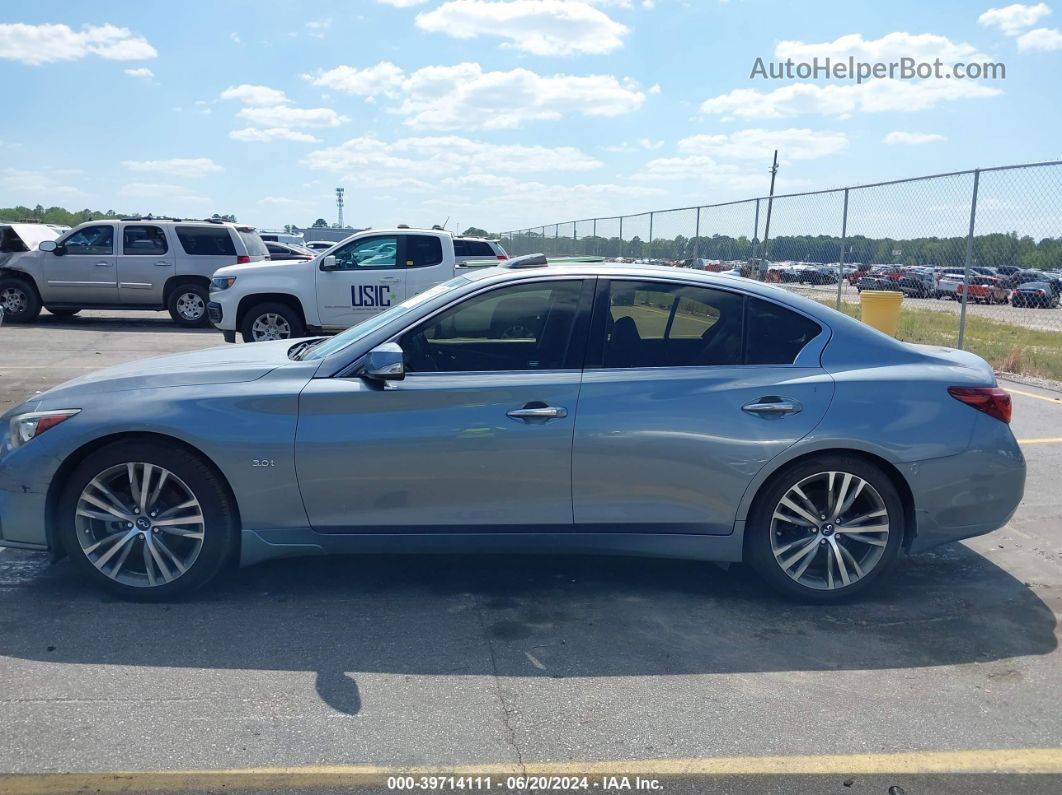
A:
(162, 263)
(529, 413)
(773, 406)
(104, 264)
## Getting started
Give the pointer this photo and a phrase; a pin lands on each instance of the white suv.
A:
(128, 263)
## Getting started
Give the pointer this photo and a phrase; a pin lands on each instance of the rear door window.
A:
(423, 251)
(146, 240)
(206, 241)
(776, 335)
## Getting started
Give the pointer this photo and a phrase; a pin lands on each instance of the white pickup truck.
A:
(355, 279)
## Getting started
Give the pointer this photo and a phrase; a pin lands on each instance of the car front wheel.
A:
(147, 522)
(825, 529)
(271, 321)
(19, 300)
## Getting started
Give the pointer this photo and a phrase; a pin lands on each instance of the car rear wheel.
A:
(825, 529)
(147, 522)
(19, 300)
(188, 305)
(271, 321)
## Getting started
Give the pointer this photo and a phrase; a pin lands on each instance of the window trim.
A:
(810, 355)
(578, 337)
(165, 242)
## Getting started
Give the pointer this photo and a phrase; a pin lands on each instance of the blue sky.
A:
(495, 113)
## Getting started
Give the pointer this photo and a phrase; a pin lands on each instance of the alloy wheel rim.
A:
(13, 300)
(190, 306)
(829, 530)
(270, 326)
(139, 524)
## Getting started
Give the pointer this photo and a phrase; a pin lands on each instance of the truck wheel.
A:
(19, 299)
(64, 312)
(271, 321)
(187, 305)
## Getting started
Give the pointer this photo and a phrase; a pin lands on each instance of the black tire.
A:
(283, 312)
(187, 305)
(63, 311)
(20, 300)
(220, 523)
(758, 551)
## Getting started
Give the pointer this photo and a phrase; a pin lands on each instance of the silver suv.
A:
(128, 263)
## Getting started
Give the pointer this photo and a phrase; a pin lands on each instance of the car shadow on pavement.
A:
(116, 322)
(536, 616)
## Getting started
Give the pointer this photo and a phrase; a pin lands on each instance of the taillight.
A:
(992, 400)
(503, 256)
(240, 260)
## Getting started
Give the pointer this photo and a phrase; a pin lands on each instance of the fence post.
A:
(621, 237)
(595, 236)
(697, 236)
(844, 235)
(650, 235)
(756, 232)
(969, 259)
(575, 238)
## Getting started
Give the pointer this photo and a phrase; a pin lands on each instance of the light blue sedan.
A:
(586, 408)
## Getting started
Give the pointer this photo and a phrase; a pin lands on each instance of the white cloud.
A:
(250, 94)
(402, 3)
(438, 156)
(912, 138)
(317, 27)
(156, 190)
(39, 44)
(1040, 40)
(464, 96)
(878, 96)
(540, 27)
(793, 144)
(254, 134)
(1014, 18)
(634, 146)
(891, 47)
(287, 116)
(384, 78)
(178, 167)
(142, 72)
(36, 183)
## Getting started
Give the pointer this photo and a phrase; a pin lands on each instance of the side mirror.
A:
(48, 245)
(385, 363)
(329, 263)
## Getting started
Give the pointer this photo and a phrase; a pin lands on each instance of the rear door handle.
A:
(544, 413)
(773, 406)
(104, 264)
(162, 263)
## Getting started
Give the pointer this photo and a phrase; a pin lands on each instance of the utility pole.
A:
(770, 203)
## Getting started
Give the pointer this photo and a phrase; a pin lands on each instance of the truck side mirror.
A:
(49, 245)
(329, 263)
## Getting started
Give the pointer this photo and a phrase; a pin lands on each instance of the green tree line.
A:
(64, 217)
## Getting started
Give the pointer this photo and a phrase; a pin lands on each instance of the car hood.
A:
(266, 266)
(222, 365)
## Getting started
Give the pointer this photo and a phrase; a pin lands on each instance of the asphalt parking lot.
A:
(491, 661)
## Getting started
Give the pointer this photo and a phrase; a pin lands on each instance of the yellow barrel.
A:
(881, 309)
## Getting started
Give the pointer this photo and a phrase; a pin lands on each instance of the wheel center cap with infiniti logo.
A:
(827, 529)
(143, 523)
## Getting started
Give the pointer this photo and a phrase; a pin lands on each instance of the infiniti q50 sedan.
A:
(586, 408)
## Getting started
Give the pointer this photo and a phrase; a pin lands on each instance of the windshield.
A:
(355, 333)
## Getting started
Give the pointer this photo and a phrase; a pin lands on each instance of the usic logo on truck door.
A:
(369, 296)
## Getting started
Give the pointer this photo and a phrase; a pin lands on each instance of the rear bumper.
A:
(969, 494)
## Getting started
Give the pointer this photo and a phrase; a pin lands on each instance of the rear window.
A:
(775, 335)
(423, 251)
(208, 241)
(255, 246)
(473, 248)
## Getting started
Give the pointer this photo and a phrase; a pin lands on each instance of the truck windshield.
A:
(355, 333)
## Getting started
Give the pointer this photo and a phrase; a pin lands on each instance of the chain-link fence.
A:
(977, 254)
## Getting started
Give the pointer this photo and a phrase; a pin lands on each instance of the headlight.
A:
(28, 426)
(222, 283)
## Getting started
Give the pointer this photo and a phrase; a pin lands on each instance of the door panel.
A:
(146, 260)
(673, 449)
(436, 451)
(86, 273)
(369, 279)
